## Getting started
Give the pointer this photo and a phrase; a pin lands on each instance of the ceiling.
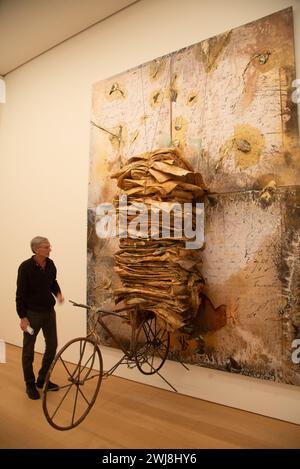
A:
(30, 27)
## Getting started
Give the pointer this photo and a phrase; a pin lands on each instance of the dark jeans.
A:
(38, 321)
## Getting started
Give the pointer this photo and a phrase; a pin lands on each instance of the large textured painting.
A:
(226, 105)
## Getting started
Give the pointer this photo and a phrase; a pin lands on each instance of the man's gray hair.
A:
(35, 242)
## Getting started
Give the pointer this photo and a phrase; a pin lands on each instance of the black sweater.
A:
(36, 287)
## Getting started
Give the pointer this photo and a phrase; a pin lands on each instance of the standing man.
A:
(35, 298)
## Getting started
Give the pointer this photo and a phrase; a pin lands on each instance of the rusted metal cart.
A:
(79, 382)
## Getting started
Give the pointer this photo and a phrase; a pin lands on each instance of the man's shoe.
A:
(51, 386)
(32, 392)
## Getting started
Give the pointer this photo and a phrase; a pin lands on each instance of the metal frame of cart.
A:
(79, 383)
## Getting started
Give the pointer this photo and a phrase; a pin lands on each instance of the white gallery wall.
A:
(44, 163)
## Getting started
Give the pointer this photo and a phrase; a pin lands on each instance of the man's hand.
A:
(60, 298)
(24, 323)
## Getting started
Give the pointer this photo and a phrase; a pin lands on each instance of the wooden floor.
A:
(131, 415)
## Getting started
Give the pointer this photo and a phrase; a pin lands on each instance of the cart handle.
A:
(80, 305)
(97, 310)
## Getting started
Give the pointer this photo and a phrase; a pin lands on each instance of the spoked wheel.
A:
(79, 383)
(152, 346)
